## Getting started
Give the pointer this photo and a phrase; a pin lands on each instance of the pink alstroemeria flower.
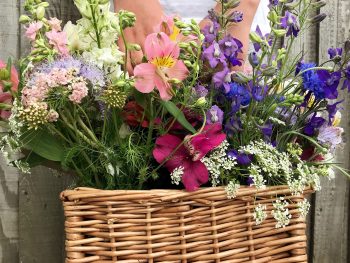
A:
(6, 97)
(189, 155)
(163, 65)
(59, 41)
(33, 29)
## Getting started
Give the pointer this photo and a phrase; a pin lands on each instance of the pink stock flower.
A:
(59, 41)
(80, 91)
(33, 29)
(55, 24)
(163, 65)
(189, 154)
(6, 97)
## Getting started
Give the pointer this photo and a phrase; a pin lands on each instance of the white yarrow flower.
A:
(303, 208)
(281, 213)
(176, 175)
(259, 214)
(232, 189)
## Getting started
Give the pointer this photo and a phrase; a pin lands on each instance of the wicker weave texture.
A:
(175, 226)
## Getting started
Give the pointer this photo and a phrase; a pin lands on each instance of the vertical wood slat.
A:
(9, 43)
(331, 225)
(41, 220)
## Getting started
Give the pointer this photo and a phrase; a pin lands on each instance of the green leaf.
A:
(33, 159)
(44, 144)
(178, 115)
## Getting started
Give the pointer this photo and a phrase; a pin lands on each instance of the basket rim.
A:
(174, 194)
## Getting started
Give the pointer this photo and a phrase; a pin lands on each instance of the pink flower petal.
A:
(178, 71)
(145, 75)
(211, 137)
(165, 145)
(164, 88)
(158, 45)
(195, 174)
(14, 77)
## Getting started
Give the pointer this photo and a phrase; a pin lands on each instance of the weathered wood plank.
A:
(41, 220)
(8, 176)
(331, 241)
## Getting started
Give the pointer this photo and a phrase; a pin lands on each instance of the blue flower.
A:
(330, 82)
(313, 124)
(290, 22)
(311, 80)
(242, 158)
(335, 52)
(239, 95)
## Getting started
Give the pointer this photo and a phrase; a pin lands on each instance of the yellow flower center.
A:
(174, 35)
(164, 62)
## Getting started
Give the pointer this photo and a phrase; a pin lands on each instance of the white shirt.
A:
(198, 9)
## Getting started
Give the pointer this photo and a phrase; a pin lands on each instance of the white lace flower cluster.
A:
(176, 175)
(281, 213)
(303, 208)
(256, 176)
(260, 214)
(271, 162)
(232, 189)
(218, 163)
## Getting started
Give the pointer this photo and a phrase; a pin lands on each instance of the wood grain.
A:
(41, 222)
(331, 240)
(8, 176)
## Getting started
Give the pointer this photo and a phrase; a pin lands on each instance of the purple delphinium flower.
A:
(214, 55)
(231, 47)
(200, 91)
(242, 158)
(330, 136)
(239, 95)
(273, 3)
(290, 22)
(258, 92)
(346, 83)
(215, 115)
(210, 32)
(253, 59)
(330, 83)
(219, 78)
(313, 124)
(233, 126)
(266, 130)
(266, 37)
(335, 52)
(236, 17)
(332, 111)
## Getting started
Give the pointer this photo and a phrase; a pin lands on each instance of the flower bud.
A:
(44, 4)
(318, 4)
(4, 74)
(279, 32)
(175, 81)
(318, 19)
(347, 46)
(184, 45)
(180, 24)
(239, 77)
(273, 17)
(188, 64)
(126, 19)
(253, 59)
(40, 12)
(23, 19)
(255, 37)
(134, 47)
(232, 4)
(269, 71)
(201, 102)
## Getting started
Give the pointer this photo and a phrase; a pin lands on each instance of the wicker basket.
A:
(176, 226)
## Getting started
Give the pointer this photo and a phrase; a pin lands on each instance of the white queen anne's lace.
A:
(281, 213)
(259, 214)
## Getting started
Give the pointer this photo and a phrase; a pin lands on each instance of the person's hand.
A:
(148, 15)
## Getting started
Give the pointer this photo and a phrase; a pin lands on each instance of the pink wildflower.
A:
(189, 155)
(79, 92)
(55, 24)
(6, 97)
(163, 66)
(33, 29)
(59, 41)
(52, 116)
(59, 76)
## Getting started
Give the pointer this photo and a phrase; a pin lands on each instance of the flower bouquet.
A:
(245, 144)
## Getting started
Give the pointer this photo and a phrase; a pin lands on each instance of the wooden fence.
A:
(31, 218)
